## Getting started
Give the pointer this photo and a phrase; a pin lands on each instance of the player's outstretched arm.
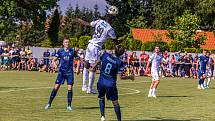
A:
(82, 22)
(95, 66)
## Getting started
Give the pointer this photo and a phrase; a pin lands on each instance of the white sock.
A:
(153, 91)
(209, 80)
(85, 77)
(91, 80)
(150, 92)
(205, 83)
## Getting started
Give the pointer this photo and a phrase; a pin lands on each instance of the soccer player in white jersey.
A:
(103, 31)
(208, 71)
(156, 62)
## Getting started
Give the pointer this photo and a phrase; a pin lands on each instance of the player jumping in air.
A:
(156, 63)
(66, 56)
(111, 65)
(103, 31)
(202, 66)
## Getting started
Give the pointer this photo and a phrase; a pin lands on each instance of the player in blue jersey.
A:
(202, 66)
(66, 57)
(111, 65)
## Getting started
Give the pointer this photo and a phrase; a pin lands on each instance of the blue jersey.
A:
(110, 67)
(203, 60)
(66, 60)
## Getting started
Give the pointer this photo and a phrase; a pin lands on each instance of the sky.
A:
(83, 3)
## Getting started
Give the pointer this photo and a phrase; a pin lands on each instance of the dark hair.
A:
(157, 46)
(119, 50)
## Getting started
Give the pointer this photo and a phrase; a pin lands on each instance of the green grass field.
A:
(23, 96)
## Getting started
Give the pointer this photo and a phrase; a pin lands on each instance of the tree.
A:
(184, 31)
(16, 12)
(54, 28)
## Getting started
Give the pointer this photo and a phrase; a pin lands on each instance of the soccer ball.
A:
(113, 10)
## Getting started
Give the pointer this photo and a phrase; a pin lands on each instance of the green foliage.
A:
(109, 45)
(190, 50)
(149, 46)
(14, 13)
(73, 42)
(46, 43)
(213, 51)
(185, 29)
(83, 42)
(176, 46)
(54, 28)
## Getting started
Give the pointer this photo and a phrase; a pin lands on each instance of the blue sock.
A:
(203, 80)
(52, 96)
(200, 81)
(69, 96)
(102, 106)
(118, 112)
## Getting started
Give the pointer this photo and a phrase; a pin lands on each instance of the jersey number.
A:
(108, 68)
(100, 29)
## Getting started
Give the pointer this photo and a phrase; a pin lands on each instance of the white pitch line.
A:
(129, 93)
(65, 86)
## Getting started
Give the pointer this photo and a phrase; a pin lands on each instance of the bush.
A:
(190, 50)
(46, 43)
(199, 50)
(176, 46)
(109, 45)
(149, 46)
(83, 42)
(73, 42)
(213, 51)
(133, 44)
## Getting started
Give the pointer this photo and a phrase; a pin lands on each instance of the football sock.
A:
(69, 96)
(209, 81)
(91, 80)
(52, 96)
(118, 112)
(150, 91)
(102, 106)
(153, 91)
(85, 77)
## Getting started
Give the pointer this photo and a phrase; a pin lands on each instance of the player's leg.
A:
(150, 89)
(156, 83)
(58, 82)
(94, 57)
(69, 97)
(52, 95)
(91, 82)
(102, 91)
(70, 82)
(117, 110)
(85, 76)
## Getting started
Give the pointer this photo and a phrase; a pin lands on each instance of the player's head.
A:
(66, 42)
(204, 52)
(119, 50)
(208, 54)
(111, 14)
(157, 49)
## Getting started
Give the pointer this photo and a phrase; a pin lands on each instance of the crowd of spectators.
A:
(174, 64)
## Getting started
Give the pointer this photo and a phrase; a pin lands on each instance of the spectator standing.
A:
(46, 56)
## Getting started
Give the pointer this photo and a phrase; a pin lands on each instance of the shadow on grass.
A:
(90, 108)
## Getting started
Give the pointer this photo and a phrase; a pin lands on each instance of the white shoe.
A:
(202, 87)
(84, 89)
(48, 106)
(91, 91)
(69, 108)
(102, 118)
(154, 96)
(149, 95)
(199, 87)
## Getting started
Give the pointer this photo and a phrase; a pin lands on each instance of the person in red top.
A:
(173, 65)
(130, 59)
(142, 59)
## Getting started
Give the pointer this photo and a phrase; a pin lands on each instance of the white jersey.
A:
(103, 31)
(156, 61)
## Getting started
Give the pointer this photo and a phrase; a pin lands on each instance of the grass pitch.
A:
(23, 96)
